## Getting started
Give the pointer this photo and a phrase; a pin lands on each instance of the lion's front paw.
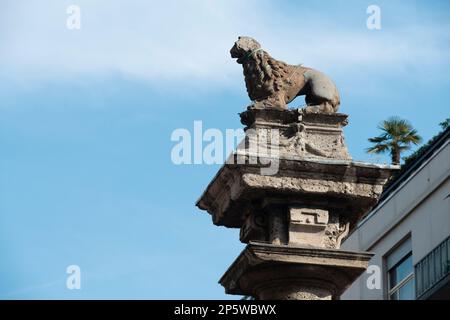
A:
(313, 109)
(270, 103)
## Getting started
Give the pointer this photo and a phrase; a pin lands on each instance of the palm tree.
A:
(397, 136)
(445, 124)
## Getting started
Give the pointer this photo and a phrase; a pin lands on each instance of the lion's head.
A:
(243, 47)
(263, 74)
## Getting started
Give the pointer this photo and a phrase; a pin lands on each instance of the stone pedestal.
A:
(268, 272)
(295, 215)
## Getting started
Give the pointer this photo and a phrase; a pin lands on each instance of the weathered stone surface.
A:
(268, 271)
(345, 187)
(307, 226)
(314, 172)
(273, 84)
(300, 133)
(292, 187)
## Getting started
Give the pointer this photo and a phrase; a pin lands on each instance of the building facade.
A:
(408, 232)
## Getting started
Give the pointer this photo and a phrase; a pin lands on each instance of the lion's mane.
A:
(264, 75)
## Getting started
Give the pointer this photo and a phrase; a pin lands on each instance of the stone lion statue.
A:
(273, 84)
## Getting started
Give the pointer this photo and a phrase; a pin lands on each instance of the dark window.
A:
(401, 277)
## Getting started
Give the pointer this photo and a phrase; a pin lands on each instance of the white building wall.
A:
(420, 208)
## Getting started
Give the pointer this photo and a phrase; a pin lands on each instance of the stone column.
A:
(277, 226)
(293, 220)
(271, 272)
(295, 290)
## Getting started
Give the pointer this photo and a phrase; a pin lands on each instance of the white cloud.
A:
(166, 41)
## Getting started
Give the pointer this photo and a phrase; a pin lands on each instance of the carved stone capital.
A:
(268, 271)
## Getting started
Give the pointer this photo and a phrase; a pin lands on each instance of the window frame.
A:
(398, 286)
(404, 244)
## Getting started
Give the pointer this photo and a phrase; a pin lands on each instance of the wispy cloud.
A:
(166, 41)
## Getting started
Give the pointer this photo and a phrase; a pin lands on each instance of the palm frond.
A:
(396, 136)
(378, 139)
(378, 148)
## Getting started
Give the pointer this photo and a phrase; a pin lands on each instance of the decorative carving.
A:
(269, 271)
(307, 226)
(273, 84)
(254, 228)
(300, 213)
(336, 230)
(308, 135)
(315, 218)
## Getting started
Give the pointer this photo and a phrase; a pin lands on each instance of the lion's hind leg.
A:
(317, 104)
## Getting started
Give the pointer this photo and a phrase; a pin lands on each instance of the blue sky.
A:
(86, 117)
